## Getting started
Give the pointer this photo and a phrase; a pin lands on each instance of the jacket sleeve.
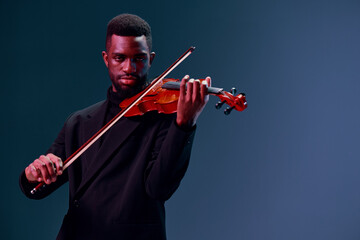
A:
(169, 161)
(58, 149)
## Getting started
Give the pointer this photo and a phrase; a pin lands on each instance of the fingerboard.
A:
(176, 86)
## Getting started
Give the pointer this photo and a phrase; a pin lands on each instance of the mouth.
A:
(130, 81)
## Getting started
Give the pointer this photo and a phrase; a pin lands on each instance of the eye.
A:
(140, 58)
(119, 58)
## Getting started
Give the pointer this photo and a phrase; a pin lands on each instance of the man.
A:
(119, 185)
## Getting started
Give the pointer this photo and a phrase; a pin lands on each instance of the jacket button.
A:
(76, 203)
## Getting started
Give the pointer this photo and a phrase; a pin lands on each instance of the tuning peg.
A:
(219, 104)
(228, 110)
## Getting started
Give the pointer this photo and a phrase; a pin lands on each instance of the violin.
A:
(164, 98)
(160, 95)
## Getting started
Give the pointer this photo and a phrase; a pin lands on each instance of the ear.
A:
(105, 58)
(152, 56)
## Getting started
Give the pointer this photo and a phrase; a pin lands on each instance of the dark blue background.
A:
(286, 168)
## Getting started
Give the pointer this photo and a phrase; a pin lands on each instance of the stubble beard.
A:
(125, 91)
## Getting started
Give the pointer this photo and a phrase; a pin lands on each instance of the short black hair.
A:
(128, 25)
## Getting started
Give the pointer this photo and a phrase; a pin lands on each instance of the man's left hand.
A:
(192, 100)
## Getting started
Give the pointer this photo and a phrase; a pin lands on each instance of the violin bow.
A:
(123, 111)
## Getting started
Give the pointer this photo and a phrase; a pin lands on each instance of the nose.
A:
(129, 66)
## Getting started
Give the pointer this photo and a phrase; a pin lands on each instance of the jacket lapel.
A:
(112, 140)
(93, 124)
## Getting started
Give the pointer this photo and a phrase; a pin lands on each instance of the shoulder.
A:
(92, 110)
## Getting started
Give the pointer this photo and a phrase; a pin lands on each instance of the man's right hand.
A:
(44, 169)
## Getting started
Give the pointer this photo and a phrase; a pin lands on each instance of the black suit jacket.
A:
(119, 185)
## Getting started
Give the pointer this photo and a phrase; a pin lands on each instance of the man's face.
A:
(128, 60)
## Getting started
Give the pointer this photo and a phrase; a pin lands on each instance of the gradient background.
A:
(286, 168)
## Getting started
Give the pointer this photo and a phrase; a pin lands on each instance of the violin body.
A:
(158, 99)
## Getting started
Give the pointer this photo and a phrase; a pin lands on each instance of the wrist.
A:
(186, 126)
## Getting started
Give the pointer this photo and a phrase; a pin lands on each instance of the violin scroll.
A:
(237, 102)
